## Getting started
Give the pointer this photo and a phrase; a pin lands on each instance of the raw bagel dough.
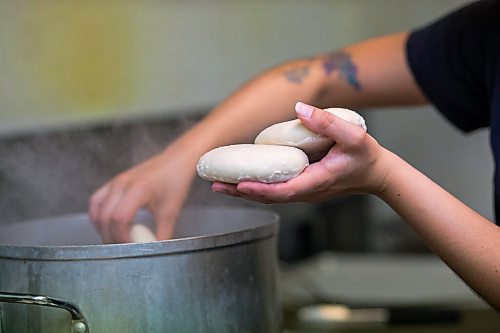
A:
(292, 133)
(261, 163)
(139, 233)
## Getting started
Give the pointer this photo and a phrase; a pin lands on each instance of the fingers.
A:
(226, 188)
(95, 204)
(165, 221)
(302, 188)
(113, 208)
(232, 189)
(323, 122)
(122, 217)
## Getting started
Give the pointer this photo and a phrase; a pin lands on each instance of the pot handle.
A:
(78, 321)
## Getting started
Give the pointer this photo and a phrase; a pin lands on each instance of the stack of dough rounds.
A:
(281, 152)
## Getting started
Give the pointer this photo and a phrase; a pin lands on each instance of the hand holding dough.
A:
(292, 133)
(277, 155)
(261, 163)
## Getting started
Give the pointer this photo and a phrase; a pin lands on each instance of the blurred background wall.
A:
(80, 64)
(75, 61)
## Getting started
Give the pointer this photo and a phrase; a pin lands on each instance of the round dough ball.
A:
(294, 134)
(248, 162)
(139, 233)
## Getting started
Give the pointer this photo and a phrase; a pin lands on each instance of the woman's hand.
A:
(355, 164)
(160, 184)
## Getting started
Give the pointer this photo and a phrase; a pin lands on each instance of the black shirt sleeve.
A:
(454, 60)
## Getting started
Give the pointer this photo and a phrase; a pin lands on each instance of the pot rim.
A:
(268, 229)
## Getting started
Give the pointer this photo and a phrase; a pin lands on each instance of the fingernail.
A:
(304, 110)
(219, 188)
(216, 188)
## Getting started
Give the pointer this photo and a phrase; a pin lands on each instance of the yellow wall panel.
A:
(74, 62)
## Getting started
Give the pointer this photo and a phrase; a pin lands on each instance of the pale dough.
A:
(139, 233)
(292, 133)
(253, 162)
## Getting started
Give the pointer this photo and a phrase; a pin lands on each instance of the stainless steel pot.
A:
(218, 276)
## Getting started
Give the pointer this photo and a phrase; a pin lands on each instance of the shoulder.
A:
(478, 22)
(454, 61)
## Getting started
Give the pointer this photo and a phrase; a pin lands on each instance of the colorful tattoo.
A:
(298, 74)
(341, 62)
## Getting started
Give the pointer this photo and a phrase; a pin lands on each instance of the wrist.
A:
(399, 176)
(383, 169)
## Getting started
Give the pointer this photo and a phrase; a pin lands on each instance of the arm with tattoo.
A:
(335, 63)
(370, 73)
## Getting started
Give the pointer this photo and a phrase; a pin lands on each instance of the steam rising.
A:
(48, 174)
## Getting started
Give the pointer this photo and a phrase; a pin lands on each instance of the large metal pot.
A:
(219, 276)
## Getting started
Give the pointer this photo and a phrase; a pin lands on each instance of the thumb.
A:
(327, 124)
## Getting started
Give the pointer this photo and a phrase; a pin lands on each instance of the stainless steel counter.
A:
(380, 293)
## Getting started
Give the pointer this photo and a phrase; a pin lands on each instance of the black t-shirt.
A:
(456, 63)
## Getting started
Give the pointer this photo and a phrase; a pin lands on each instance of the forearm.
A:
(266, 99)
(466, 241)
